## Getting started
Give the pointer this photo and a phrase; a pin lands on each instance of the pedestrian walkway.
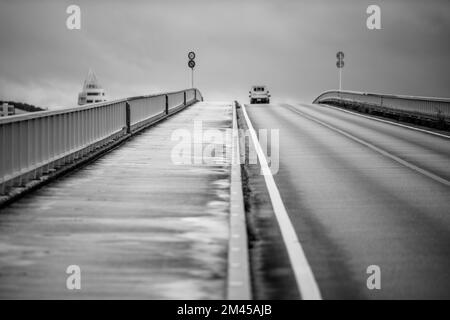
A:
(137, 224)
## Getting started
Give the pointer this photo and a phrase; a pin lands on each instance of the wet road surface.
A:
(138, 225)
(360, 192)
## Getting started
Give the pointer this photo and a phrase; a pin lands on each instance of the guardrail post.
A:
(167, 104)
(184, 98)
(128, 116)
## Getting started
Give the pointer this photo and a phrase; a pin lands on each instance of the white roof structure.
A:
(92, 92)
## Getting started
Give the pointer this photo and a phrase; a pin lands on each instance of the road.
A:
(138, 224)
(361, 192)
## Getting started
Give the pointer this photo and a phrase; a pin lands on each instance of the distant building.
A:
(7, 110)
(92, 92)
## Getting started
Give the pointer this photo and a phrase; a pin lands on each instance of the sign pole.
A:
(191, 64)
(340, 65)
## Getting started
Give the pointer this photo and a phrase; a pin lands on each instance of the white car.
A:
(259, 94)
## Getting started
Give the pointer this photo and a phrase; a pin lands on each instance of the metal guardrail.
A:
(34, 144)
(436, 109)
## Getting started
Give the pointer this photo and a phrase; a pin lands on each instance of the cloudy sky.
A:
(140, 47)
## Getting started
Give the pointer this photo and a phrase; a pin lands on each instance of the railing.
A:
(34, 144)
(437, 109)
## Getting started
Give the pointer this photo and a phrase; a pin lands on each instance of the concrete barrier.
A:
(424, 108)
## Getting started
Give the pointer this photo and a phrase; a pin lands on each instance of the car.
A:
(259, 94)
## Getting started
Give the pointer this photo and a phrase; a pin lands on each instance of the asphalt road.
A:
(137, 224)
(361, 192)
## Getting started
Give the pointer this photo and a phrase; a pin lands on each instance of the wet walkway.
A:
(137, 225)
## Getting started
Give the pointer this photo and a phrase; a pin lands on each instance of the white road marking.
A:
(387, 121)
(306, 282)
(375, 148)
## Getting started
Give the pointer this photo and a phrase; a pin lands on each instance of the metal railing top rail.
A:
(46, 113)
(157, 94)
(404, 97)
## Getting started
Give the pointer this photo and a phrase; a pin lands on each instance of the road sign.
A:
(340, 65)
(191, 64)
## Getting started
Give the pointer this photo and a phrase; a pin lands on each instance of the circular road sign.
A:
(191, 64)
(340, 64)
(340, 55)
(191, 55)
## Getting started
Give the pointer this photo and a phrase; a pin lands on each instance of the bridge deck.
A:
(138, 225)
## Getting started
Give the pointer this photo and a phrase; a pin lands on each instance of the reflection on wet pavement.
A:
(138, 225)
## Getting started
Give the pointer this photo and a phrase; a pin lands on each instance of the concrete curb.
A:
(238, 282)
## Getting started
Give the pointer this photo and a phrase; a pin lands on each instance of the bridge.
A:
(168, 196)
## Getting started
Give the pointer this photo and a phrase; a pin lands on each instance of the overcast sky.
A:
(140, 47)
